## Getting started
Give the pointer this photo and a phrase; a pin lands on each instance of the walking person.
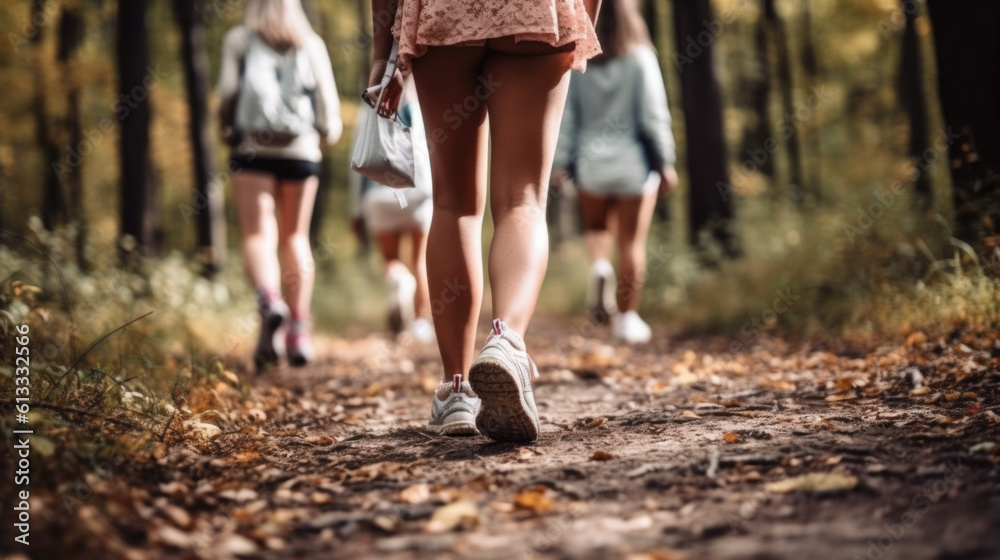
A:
(279, 102)
(489, 74)
(392, 216)
(616, 145)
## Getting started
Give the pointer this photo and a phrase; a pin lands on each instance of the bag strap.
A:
(390, 69)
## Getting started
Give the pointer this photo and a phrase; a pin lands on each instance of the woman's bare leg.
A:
(422, 300)
(597, 235)
(255, 204)
(388, 245)
(295, 206)
(634, 216)
(457, 132)
(525, 111)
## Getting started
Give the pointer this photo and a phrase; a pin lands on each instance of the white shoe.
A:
(501, 376)
(422, 331)
(402, 289)
(455, 414)
(629, 328)
(601, 289)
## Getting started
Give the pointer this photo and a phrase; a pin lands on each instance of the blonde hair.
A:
(282, 24)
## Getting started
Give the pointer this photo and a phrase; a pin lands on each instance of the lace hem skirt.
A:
(423, 23)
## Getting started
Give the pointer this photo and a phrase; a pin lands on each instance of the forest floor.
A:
(671, 450)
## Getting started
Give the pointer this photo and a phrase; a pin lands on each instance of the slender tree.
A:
(53, 198)
(758, 93)
(811, 68)
(710, 197)
(782, 52)
(208, 211)
(138, 203)
(911, 91)
(71, 30)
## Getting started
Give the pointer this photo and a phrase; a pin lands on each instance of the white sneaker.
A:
(629, 328)
(455, 414)
(501, 376)
(402, 289)
(601, 305)
(422, 331)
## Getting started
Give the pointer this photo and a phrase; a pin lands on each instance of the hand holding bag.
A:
(384, 151)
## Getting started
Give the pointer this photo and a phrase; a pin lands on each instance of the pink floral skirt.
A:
(422, 23)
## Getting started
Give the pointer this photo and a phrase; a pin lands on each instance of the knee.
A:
(525, 205)
(459, 204)
(298, 244)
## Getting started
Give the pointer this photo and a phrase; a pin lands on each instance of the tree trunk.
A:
(208, 211)
(70, 38)
(710, 197)
(810, 64)
(759, 93)
(785, 83)
(911, 92)
(651, 13)
(138, 206)
(53, 200)
(968, 56)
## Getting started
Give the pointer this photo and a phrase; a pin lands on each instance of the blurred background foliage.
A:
(902, 272)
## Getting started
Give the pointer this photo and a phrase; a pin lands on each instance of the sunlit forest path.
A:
(675, 449)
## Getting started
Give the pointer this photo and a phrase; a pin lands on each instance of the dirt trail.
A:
(669, 450)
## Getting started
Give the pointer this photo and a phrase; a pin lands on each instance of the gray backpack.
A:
(275, 103)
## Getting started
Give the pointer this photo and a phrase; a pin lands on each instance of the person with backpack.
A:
(394, 215)
(616, 145)
(278, 103)
(492, 77)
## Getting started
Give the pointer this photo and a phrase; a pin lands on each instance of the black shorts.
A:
(282, 169)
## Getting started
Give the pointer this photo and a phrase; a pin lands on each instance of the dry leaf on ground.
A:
(813, 482)
(534, 500)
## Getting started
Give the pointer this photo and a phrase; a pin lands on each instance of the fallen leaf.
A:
(448, 517)
(601, 456)
(416, 494)
(202, 431)
(320, 440)
(689, 414)
(919, 391)
(534, 500)
(597, 422)
(236, 545)
(502, 507)
(813, 482)
(984, 447)
(172, 536)
(839, 398)
(178, 515)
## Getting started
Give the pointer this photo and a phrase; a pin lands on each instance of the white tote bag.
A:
(384, 152)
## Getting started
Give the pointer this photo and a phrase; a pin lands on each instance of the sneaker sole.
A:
(297, 359)
(459, 428)
(503, 415)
